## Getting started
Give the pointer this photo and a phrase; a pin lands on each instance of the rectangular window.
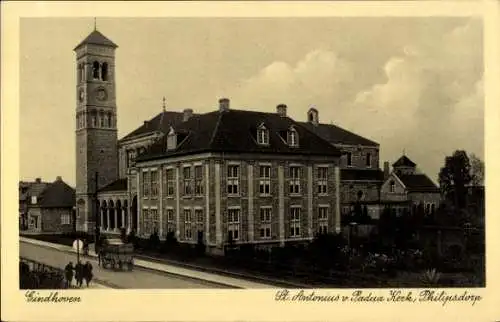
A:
(146, 222)
(295, 222)
(145, 184)
(292, 138)
(65, 219)
(170, 188)
(33, 200)
(265, 222)
(155, 220)
(349, 159)
(263, 136)
(198, 177)
(188, 228)
(154, 184)
(323, 219)
(369, 160)
(265, 180)
(188, 181)
(170, 220)
(233, 224)
(322, 180)
(233, 179)
(294, 176)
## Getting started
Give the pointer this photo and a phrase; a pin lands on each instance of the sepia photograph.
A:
(289, 154)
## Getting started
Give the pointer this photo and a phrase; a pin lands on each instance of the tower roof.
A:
(404, 162)
(96, 38)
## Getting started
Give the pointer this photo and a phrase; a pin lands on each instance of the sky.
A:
(410, 84)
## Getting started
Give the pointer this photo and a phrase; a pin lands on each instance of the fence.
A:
(36, 275)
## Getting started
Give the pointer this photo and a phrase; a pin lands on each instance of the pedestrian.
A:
(68, 272)
(79, 274)
(87, 269)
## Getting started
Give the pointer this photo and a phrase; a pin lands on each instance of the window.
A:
(349, 159)
(65, 219)
(294, 222)
(199, 215)
(233, 224)
(95, 70)
(110, 118)
(170, 220)
(188, 181)
(294, 180)
(232, 179)
(392, 186)
(155, 220)
(198, 177)
(102, 119)
(33, 200)
(104, 71)
(145, 184)
(263, 135)
(265, 222)
(188, 229)
(322, 180)
(170, 188)
(154, 184)
(265, 180)
(369, 160)
(323, 219)
(433, 209)
(146, 222)
(131, 157)
(292, 138)
(94, 120)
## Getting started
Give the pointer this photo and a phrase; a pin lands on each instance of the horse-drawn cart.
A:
(116, 254)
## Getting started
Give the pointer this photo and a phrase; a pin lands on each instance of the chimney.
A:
(187, 114)
(386, 170)
(224, 104)
(38, 180)
(281, 110)
(146, 123)
(58, 178)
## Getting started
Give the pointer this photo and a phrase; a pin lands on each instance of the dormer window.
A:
(392, 186)
(293, 137)
(263, 135)
(171, 139)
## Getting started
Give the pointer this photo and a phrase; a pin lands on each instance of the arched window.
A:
(102, 119)
(95, 70)
(104, 71)
(93, 117)
(262, 135)
(110, 124)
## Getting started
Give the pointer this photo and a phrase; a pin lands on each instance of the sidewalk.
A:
(166, 268)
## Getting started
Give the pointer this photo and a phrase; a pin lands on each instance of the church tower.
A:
(96, 131)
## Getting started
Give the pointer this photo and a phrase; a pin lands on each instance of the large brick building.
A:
(249, 177)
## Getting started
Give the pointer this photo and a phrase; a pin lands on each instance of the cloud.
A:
(427, 98)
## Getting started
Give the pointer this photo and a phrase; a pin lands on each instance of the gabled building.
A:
(29, 193)
(50, 207)
(410, 188)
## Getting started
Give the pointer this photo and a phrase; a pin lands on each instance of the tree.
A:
(454, 178)
(477, 170)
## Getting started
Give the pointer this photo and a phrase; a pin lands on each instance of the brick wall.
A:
(359, 155)
(52, 220)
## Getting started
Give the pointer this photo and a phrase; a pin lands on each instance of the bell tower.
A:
(96, 131)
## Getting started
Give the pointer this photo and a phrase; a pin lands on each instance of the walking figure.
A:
(87, 273)
(68, 272)
(79, 274)
(85, 247)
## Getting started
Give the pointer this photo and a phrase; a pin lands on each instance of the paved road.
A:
(137, 279)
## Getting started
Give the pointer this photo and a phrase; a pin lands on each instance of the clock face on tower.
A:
(101, 94)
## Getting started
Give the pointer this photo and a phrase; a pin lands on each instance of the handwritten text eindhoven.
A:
(397, 296)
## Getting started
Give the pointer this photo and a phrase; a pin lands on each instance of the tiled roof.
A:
(404, 162)
(337, 135)
(418, 183)
(118, 185)
(32, 189)
(360, 174)
(96, 38)
(235, 131)
(57, 194)
(160, 122)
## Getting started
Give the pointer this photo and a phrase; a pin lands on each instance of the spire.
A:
(404, 152)
(160, 124)
(95, 23)
(164, 107)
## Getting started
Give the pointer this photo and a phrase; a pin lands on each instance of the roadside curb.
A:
(68, 249)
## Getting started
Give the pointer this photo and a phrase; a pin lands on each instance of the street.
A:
(137, 279)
